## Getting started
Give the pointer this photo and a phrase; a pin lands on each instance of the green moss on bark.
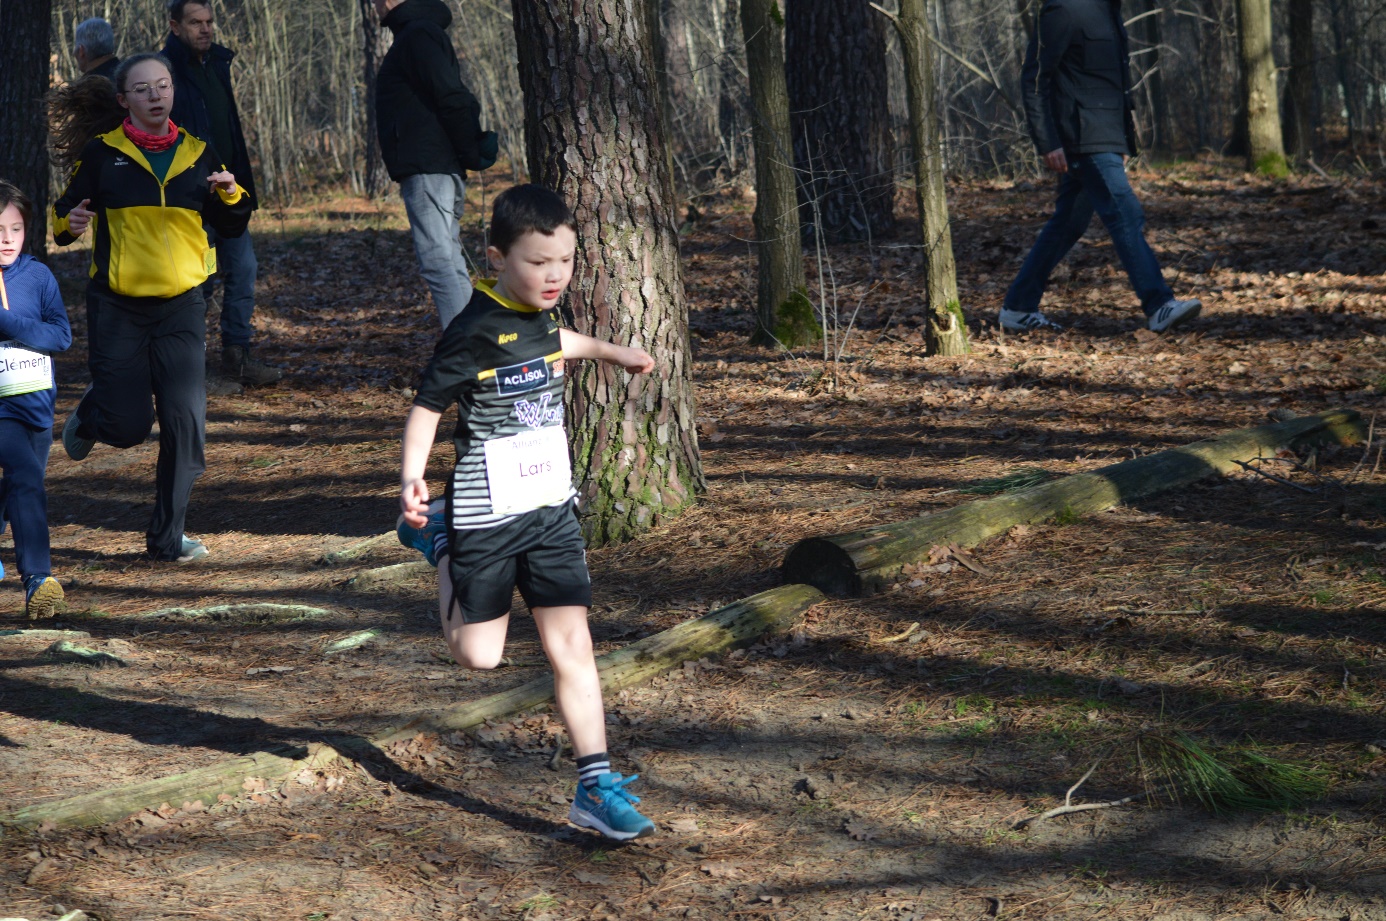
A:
(796, 322)
(1274, 165)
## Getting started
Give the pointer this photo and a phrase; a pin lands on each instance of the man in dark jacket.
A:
(203, 104)
(1076, 83)
(430, 135)
(94, 47)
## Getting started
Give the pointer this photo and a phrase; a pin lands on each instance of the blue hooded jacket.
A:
(37, 320)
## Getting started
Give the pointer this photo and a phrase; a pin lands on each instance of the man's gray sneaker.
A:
(75, 445)
(237, 364)
(191, 549)
(1173, 312)
(1019, 321)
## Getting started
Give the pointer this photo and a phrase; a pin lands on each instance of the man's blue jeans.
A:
(237, 269)
(1094, 182)
(434, 203)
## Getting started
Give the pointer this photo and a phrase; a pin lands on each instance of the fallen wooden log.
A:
(869, 560)
(738, 624)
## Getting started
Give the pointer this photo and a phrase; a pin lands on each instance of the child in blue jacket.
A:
(33, 324)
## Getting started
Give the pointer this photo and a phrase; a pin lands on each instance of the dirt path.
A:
(830, 774)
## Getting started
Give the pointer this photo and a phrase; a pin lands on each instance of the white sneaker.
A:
(1173, 312)
(1019, 321)
(191, 549)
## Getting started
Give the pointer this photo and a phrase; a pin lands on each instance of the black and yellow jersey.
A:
(150, 241)
(501, 362)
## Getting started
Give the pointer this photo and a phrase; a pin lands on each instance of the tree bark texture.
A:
(945, 333)
(592, 132)
(739, 624)
(868, 561)
(373, 174)
(835, 54)
(784, 312)
(1260, 100)
(24, 33)
(1299, 96)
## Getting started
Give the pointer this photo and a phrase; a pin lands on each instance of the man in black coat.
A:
(203, 105)
(94, 48)
(1077, 89)
(430, 135)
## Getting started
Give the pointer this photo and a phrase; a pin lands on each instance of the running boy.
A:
(510, 511)
(33, 324)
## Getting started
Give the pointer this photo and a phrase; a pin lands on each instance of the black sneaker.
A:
(237, 364)
(1019, 321)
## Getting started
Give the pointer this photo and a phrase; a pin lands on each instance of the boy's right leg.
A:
(478, 645)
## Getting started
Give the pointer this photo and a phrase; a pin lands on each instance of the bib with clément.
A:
(23, 370)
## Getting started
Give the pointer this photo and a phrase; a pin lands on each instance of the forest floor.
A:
(841, 772)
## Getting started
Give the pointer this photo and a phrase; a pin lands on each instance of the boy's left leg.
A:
(23, 461)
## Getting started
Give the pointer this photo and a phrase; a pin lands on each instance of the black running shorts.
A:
(541, 553)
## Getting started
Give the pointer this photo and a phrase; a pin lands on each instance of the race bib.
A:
(22, 370)
(528, 471)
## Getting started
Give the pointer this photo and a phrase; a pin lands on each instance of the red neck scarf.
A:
(154, 143)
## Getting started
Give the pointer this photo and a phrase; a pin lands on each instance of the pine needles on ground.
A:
(1231, 780)
(1023, 478)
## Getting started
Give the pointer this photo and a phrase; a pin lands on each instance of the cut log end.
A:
(823, 564)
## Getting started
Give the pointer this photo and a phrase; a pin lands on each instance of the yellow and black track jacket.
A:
(150, 242)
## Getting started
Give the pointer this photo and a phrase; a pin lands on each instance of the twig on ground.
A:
(909, 631)
(1068, 806)
(1270, 476)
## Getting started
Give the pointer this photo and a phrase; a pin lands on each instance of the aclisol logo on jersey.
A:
(522, 378)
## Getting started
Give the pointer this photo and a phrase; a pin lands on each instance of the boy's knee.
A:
(477, 662)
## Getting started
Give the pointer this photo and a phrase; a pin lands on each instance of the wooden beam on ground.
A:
(869, 560)
(739, 624)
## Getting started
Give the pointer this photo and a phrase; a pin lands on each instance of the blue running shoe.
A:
(424, 539)
(42, 597)
(610, 809)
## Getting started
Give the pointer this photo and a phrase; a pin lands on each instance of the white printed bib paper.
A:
(23, 370)
(528, 471)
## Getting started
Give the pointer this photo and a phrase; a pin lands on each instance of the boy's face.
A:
(11, 234)
(537, 268)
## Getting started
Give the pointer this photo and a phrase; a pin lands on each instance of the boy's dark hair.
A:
(11, 194)
(526, 209)
(175, 7)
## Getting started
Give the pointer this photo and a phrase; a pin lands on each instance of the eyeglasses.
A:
(159, 89)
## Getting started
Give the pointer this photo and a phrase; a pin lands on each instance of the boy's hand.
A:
(413, 501)
(636, 361)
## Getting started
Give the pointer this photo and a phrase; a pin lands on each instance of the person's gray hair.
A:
(96, 36)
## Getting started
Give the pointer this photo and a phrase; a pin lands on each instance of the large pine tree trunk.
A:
(592, 131)
(1260, 101)
(945, 332)
(784, 312)
(835, 52)
(24, 28)
(1299, 98)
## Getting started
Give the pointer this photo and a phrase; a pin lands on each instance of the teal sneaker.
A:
(609, 808)
(191, 549)
(75, 445)
(424, 539)
(42, 597)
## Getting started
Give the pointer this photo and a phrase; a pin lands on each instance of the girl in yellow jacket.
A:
(147, 187)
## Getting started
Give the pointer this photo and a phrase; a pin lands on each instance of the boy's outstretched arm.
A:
(419, 432)
(576, 345)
